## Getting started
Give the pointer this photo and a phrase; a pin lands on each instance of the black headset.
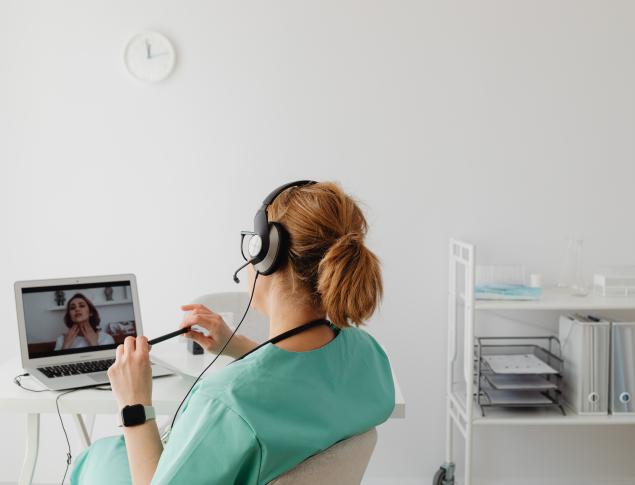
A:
(267, 245)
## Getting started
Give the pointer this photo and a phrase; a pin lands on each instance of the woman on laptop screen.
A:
(286, 400)
(82, 320)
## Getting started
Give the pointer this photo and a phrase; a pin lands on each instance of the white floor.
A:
(500, 481)
(577, 481)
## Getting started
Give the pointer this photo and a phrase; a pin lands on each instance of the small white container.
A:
(535, 280)
(615, 281)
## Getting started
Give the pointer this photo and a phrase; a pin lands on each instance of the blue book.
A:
(501, 291)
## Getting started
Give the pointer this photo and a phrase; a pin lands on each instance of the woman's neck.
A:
(286, 316)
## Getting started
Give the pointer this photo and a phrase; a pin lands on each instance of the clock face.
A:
(150, 57)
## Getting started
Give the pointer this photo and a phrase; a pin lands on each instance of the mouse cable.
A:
(253, 288)
(69, 457)
(17, 380)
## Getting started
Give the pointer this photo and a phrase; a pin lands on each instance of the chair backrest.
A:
(255, 326)
(344, 463)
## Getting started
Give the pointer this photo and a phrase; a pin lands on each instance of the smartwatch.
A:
(135, 414)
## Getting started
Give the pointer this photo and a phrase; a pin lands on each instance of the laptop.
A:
(69, 328)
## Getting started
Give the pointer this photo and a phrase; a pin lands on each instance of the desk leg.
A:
(32, 445)
(83, 432)
(90, 424)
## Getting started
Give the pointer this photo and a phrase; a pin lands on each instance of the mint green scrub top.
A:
(259, 417)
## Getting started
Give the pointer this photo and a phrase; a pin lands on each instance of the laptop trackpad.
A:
(99, 376)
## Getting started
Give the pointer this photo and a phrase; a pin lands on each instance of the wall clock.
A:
(150, 57)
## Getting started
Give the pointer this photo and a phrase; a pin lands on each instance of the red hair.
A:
(328, 259)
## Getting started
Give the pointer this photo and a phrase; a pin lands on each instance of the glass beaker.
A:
(571, 275)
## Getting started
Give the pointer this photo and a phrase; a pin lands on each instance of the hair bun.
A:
(354, 239)
(349, 280)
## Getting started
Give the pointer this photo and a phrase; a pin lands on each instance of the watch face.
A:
(133, 415)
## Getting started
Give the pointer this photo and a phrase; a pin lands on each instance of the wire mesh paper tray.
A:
(518, 372)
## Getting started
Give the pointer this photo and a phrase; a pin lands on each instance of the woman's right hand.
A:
(218, 331)
(69, 336)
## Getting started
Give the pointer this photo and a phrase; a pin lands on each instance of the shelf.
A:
(98, 305)
(548, 416)
(539, 416)
(461, 332)
(560, 299)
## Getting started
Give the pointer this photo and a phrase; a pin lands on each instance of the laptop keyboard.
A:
(77, 368)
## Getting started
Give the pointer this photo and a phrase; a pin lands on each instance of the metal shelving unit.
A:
(462, 410)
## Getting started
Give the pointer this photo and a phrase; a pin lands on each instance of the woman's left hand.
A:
(89, 333)
(131, 375)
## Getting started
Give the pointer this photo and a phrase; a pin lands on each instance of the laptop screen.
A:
(77, 318)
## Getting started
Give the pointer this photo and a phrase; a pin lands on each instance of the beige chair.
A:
(344, 463)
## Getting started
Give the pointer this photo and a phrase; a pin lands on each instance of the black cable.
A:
(69, 456)
(253, 288)
(18, 381)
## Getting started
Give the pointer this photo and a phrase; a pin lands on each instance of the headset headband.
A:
(271, 197)
(261, 221)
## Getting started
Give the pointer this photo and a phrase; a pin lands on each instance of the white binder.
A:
(622, 368)
(586, 351)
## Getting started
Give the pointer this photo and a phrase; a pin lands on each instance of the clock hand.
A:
(159, 54)
(148, 53)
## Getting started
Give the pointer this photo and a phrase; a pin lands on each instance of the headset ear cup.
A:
(278, 246)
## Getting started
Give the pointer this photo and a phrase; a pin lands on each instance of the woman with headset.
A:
(316, 382)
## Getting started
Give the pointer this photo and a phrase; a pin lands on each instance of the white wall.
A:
(507, 123)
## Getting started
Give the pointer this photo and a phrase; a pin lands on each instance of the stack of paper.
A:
(520, 382)
(518, 364)
(519, 398)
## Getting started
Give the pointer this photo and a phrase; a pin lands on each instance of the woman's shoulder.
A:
(362, 340)
(282, 379)
(271, 362)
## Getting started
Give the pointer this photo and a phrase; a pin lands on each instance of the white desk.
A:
(167, 393)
